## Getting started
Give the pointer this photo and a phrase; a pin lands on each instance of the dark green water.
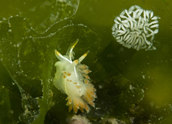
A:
(133, 87)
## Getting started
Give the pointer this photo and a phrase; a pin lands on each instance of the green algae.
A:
(132, 86)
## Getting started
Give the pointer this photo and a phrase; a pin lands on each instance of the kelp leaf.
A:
(9, 98)
(5, 106)
(12, 38)
(41, 14)
(29, 58)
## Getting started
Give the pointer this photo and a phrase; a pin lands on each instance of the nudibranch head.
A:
(136, 28)
(72, 78)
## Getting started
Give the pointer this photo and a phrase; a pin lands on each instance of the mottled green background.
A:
(134, 87)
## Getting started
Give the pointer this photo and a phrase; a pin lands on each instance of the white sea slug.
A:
(136, 28)
(72, 78)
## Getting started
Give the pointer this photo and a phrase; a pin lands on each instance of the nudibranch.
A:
(72, 78)
(136, 28)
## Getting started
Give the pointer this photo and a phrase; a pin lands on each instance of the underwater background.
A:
(132, 87)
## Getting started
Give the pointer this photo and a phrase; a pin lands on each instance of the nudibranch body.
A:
(72, 78)
(136, 28)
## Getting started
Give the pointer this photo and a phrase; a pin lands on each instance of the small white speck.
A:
(143, 76)
(11, 112)
(131, 87)
(4, 18)
(100, 86)
(10, 30)
(142, 90)
(30, 36)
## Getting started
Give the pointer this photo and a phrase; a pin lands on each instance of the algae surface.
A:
(133, 87)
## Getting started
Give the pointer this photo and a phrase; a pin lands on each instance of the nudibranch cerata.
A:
(136, 28)
(72, 78)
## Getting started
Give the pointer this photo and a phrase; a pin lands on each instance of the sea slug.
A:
(72, 78)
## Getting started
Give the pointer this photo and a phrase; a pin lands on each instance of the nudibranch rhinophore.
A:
(72, 78)
(136, 28)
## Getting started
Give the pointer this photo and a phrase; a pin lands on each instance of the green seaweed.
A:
(41, 14)
(133, 87)
(33, 58)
